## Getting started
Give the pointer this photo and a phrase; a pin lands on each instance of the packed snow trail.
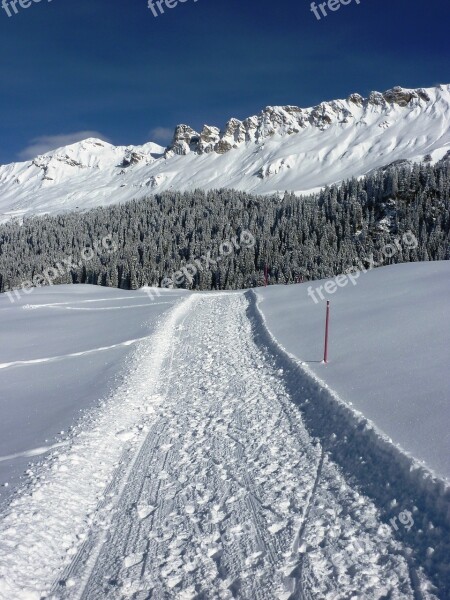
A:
(222, 494)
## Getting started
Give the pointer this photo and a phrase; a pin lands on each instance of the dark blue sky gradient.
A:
(110, 66)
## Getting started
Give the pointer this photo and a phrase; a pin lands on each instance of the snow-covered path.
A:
(219, 492)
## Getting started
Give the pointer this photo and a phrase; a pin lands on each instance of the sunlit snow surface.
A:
(389, 350)
(64, 348)
(203, 465)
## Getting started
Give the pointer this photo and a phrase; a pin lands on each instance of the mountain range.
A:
(282, 148)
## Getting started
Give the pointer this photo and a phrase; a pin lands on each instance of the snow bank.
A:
(382, 469)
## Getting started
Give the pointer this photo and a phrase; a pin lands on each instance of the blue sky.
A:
(110, 68)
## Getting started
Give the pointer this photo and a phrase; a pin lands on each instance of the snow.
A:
(213, 457)
(61, 358)
(389, 349)
(220, 492)
(279, 155)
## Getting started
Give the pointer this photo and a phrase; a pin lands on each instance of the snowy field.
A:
(63, 348)
(207, 462)
(389, 349)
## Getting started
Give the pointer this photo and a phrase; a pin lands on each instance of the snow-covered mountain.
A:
(282, 148)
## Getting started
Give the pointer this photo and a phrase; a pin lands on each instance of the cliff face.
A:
(288, 120)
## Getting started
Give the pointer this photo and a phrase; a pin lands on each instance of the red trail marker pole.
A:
(327, 324)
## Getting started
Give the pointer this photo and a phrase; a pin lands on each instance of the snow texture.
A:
(65, 348)
(201, 476)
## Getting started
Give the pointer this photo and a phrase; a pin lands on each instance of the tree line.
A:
(299, 238)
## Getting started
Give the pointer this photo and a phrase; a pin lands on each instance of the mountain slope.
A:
(282, 148)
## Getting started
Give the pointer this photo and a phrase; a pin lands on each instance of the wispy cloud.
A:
(161, 134)
(45, 143)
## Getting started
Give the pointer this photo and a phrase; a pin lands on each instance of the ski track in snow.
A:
(112, 299)
(146, 305)
(205, 484)
(32, 452)
(34, 361)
